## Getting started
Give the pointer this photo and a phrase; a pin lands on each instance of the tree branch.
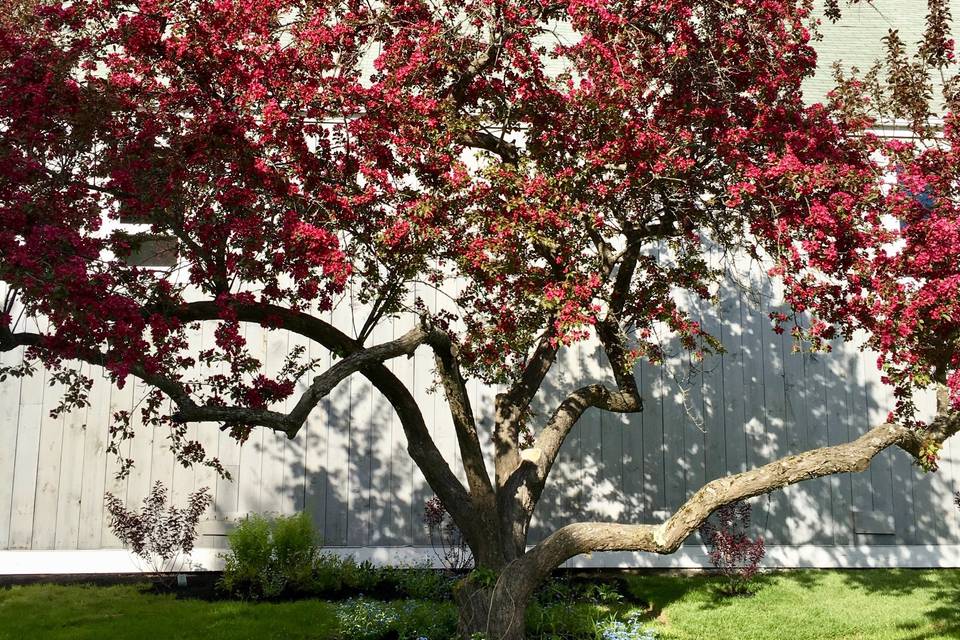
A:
(188, 410)
(489, 142)
(463, 419)
(851, 457)
(512, 405)
(420, 445)
(529, 477)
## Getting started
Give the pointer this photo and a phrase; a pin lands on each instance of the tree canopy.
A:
(574, 166)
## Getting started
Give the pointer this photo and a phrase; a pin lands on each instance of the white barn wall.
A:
(349, 469)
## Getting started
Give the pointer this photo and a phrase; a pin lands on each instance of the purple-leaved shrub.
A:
(160, 534)
(732, 551)
(447, 540)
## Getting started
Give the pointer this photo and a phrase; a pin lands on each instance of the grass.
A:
(898, 604)
(802, 605)
(55, 612)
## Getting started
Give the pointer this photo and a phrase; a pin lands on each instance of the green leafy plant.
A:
(366, 619)
(271, 556)
(419, 581)
(602, 593)
(629, 628)
(483, 577)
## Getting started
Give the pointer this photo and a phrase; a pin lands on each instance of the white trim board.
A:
(66, 562)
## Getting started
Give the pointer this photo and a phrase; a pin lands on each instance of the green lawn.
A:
(807, 605)
(106, 613)
(811, 605)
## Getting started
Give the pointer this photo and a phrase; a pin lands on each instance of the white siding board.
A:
(10, 407)
(632, 426)
(316, 448)
(733, 401)
(141, 450)
(654, 477)
(712, 381)
(120, 400)
(339, 481)
(777, 430)
(859, 423)
(94, 462)
(26, 460)
(70, 481)
(249, 480)
(385, 487)
(272, 463)
(293, 499)
(837, 417)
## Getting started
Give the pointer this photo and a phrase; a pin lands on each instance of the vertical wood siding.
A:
(349, 469)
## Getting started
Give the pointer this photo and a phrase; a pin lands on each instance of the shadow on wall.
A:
(349, 467)
(756, 402)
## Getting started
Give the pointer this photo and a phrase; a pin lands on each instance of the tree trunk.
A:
(493, 612)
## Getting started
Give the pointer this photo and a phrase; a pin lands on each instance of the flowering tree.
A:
(536, 151)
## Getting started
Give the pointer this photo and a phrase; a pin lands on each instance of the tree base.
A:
(490, 613)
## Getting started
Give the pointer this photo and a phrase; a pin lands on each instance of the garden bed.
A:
(801, 605)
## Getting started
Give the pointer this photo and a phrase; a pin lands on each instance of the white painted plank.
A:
(360, 458)
(47, 468)
(315, 448)
(732, 373)
(694, 437)
(859, 423)
(805, 521)
(632, 425)
(712, 393)
(10, 407)
(338, 462)
(273, 443)
(295, 451)
(837, 378)
(70, 481)
(141, 449)
(776, 505)
(208, 435)
(387, 518)
(654, 477)
(120, 400)
(25, 464)
(251, 451)
(95, 461)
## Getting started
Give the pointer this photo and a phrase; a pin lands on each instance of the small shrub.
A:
(555, 591)
(627, 629)
(368, 577)
(419, 581)
(447, 540)
(161, 535)
(560, 590)
(732, 551)
(271, 557)
(424, 619)
(601, 593)
(295, 549)
(582, 621)
(364, 619)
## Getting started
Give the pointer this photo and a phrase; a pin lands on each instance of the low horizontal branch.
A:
(851, 457)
